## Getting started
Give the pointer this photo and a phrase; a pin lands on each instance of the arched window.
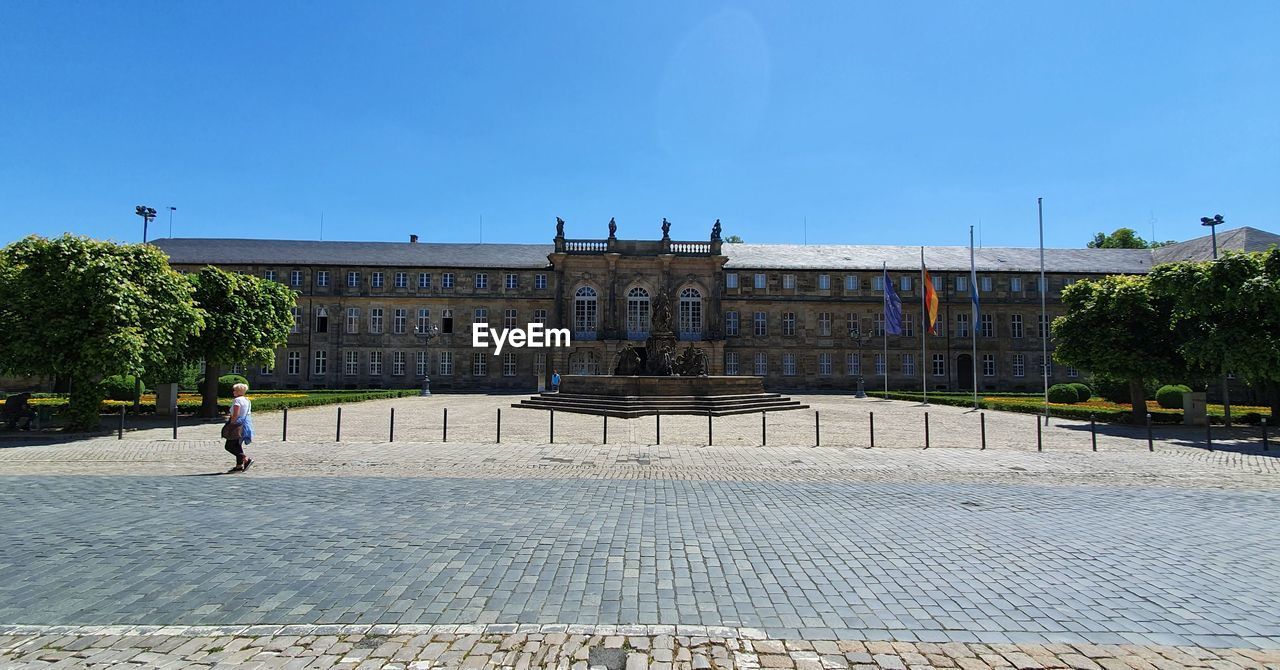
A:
(638, 323)
(690, 314)
(584, 313)
(584, 363)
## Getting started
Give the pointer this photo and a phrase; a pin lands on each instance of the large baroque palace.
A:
(803, 317)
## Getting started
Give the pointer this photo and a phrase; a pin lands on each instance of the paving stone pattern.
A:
(991, 563)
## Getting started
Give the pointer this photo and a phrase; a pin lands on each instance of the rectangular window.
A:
(297, 319)
(788, 323)
(353, 280)
(880, 368)
(824, 324)
(1072, 372)
(375, 363)
(988, 325)
(351, 366)
(731, 362)
(424, 280)
(539, 364)
(731, 280)
(540, 316)
(904, 282)
(480, 315)
(939, 365)
(760, 280)
(377, 280)
(851, 282)
(824, 282)
(397, 363)
(1042, 283)
(824, 364)
(962, 325)
(1046, 369)
(1019, 365)
(424, 320)
(321, 363)
(788, 365)
(446, 321)
(446, 280)
(509, 364)
(879, 324)
(909, 365)
(509, 318)
(399, 319)
(852, 364)
(761, 324)
(375, 320)
(730, 324)
(1044, 325)
(402, 280)
(986, 284)
(322, 278)
(270, 275)
(988, 365)
(788, 281)
(937, 283)
(295, 363)
(482, 280)
(1015, 326)
(353, 320)
(295, 278)
(962, 283)
(540, 281)
(877, 282)
(421, 368)
(479, 364)
(908, 324)
(322, 320)
(511, 281)
(761, 364)
(1015, 284)
(446, 364)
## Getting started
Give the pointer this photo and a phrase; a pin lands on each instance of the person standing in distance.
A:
(240, 423)
(555, 380)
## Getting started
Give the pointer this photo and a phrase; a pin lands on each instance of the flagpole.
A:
(884, 321)
(924, 332)
(1044, 340)
(973, 309)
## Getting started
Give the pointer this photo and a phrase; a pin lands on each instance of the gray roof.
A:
(1201, 248)
(989, 259)
(202, 251)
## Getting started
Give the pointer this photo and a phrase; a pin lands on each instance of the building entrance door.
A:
(964, 372)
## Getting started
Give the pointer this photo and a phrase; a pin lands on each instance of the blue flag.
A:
(892, 308)
(973, 296)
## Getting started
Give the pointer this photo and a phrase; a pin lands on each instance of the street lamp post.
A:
(860, 341)
(1213, 224)
(426, 335)
(148, 215)
(172, 209)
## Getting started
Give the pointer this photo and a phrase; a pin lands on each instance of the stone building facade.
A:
(804, 317)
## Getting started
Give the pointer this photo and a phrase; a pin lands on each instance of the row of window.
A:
(986, 323)
(639, 313)
(510, 281)
(906, 282)
(351, 363)
(853, 365)
(400, 319)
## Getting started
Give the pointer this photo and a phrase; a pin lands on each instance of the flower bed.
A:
(1102, 410)
(262, 401)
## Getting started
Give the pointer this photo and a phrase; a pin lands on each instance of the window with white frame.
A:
(1015, 284)
(880, 367)
(1072, 372)
(962, 283)
(1044, 325)
(788, 323)
(270, 275)
(446, 280)
(509, 318)
(294, 365)
(353, 320)
(322, 320)
(1019, 365)
(511, 281)
(760, 281)
(852, 364)
(824, 324)
(908, 324)
(397, 363)
(937, 282)
(761, 321)
(584, 312)
(266, 370)
(479, 364)
(421, 367)
(1042, 283)
(824, 282)
(904, 282)
(731, 280)
(788, 365)
(539, 363)
(988, 365)
(376, 280)
(375, 363)
(295, 278)
(988, 325)
(445, 367)
(399, 320)
(637, 313)
(851, 282)
(321, 363)
(731, 324)
(985, 283)
(402, 280)
(879, 324)
(1015, 326)
(509, 364)
(939, 365)
(962, 325)
(297, 319)
(446, 320)
(540, 281)
(877, 282)
(690, 313)
(353, 279)
(824, 364)
(788, 281)
(480, 315)
(322, 278)
(482, 280)
(731, 362)
(761, 364)
(424, 320)
(1045, 365)
(238, 368)
(540, 316)
(424, 280)
(375, 320)
(909, 364)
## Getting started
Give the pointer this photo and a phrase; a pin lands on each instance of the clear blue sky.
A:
(892, 123)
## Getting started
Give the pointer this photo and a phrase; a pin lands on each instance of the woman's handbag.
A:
(232, 431)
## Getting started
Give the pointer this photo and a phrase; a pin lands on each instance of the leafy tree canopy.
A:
(1122, 238)
(733, 239)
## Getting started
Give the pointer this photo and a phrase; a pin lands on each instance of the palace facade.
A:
(804, 317)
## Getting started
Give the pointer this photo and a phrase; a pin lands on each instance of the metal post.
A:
(1265, 445)
(606, 430)
(657, 418)
(498, 437)
(709, 428)
(1039, 439)
(764, 435)
(873, 430)
(926, 430)
(552, 428)
(982, 422)
(1208, 433)
(175, 421)
(120, 432)
(284, 434)
(391, 431)
(1151, 443)
(1093, 431)
(338, 436)
(817, 430)
(445, 426)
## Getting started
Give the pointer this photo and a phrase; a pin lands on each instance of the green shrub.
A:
(1063, 393)
(119, 387)
(225, 382)
(1170, 396)
(1083, 392)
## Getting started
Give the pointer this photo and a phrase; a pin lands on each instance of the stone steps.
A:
(629, 407)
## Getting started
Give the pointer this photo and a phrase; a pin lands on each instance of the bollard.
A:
(873, 431)
(1265, 446)
(552, 428)
(817, 431)
(391, 430)
(657, 418)
(1039, 439)
(284, 434)
(1093, 431)
(763, 434)
(708, 428)
(1208, 433)
(445, 426)
(926, 430)
(982, 423)
(120, 432)
(606, 430)
(175, 421)
(1151, 443)
(498, 436)
(338, 435)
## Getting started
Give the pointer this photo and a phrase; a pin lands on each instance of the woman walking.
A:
(239, 429)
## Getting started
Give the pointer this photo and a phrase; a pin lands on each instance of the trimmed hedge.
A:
(1170, 395)
(1063, 393)
(119, 387)
(1082, 391)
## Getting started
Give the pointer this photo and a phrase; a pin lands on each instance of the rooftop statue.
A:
(613, 228)
(559, 227)
(715, 231)
(666, 228)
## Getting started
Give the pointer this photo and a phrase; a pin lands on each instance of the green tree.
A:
(246, 319)
(1114, 327)
(1227, 315)
(1122, 238)
(733, 239)
(86, 309)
